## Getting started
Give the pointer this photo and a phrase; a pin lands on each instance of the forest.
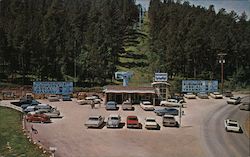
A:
(185, 41)
(82, 40)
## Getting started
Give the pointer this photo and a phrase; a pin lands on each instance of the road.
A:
(217, 141)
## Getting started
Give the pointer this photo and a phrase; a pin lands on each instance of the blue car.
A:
(66, 98)
(32, 103)
(111, 105)
(168, 111)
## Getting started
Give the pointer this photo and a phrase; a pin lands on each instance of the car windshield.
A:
(150, 120)
(168, 117)
(93, 118)
(233, 124)
(132, 118)
(114, 118)
(111, 103)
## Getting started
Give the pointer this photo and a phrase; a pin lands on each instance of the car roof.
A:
(150, 118)
(95, 116)
(132, 117)
(31, 106)
(232, 121)
(166, 115)
(114, 115)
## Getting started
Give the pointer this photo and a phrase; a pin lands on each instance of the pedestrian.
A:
(92, 104)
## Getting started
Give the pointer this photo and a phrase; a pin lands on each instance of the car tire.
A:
(226, 129)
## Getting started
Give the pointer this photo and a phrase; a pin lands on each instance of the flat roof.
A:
(129, 89)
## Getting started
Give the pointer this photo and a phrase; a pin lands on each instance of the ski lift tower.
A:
(125, 76)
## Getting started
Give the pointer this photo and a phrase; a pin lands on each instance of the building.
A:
(134, 94)
(162, 90)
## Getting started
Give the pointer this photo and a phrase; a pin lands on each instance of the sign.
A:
(63, 88)
(199, 86)
(161, 77)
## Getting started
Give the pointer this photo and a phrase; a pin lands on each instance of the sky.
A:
(239, 6)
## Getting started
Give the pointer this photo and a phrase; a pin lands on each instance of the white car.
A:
(171, 103)
(94, 121)
(147, 106)
(234, 100)
(232, 125)
(190, 96)
(216, 95)
(96, 99)
(150, 123)
(113, 121)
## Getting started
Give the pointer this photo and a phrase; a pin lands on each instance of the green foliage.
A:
(186, 40)
(11, 132)
(55, 40)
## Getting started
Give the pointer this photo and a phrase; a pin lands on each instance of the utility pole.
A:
(222, 61)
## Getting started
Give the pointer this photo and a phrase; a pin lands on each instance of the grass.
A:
(11, 133)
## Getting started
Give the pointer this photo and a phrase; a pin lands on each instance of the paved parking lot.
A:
(73, 139)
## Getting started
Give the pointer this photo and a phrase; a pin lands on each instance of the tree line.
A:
(185, 41)
(65, 40)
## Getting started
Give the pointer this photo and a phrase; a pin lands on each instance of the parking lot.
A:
(72, 138)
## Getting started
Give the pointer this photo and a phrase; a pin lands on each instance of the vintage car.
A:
(190, 96)
(150, 123)
(29, 109)
(113, 121)
(245, 106)
(202, 95)
(84, 102)
(169, 111)
(232, 125)
(169, 120)
(111, 105)
(127, 105)
(216, 95)
(53, 98)
(234, 100)
(29, 103)
(146, 105)
(43, 106)
(94, 121)
(34, 117)
(66, 98)
(228, 94)
(52, 113)
(171, 103)
(133, 122)
(96, 99)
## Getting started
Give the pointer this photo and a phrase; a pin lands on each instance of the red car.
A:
(34, 117)
(133, 122)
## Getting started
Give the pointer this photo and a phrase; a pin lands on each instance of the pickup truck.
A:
(94, 121)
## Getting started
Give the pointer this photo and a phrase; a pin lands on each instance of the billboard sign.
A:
(53, 88)
(161, 77)
(199, 86)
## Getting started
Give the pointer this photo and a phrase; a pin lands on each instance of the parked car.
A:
(81, 95)
(146, 105)
(178, 98)
(234, 100)
(228, 94)
(84, 102)
(216, 95)
(150, 123)
(133, 122)
(66, 98)
(52, 98)
(94, 121)
(31, 103)
(21, 102)
(127, 105)
(169, 111)
(34, 117)
(245, 106)
(189, 96)
(94, 98)
(202, 95)
(52, 113)
(111, 105)
(171, 103)
(43, 106)
(29, 109)
(169, 120)
(232, 125)
(114, 121)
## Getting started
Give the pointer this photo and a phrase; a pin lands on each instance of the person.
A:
(92, 104)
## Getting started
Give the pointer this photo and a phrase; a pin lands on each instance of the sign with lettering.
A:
(161, 77)
(199, 86)
(63, 88)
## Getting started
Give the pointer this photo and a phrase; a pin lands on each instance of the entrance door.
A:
(119, 98)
